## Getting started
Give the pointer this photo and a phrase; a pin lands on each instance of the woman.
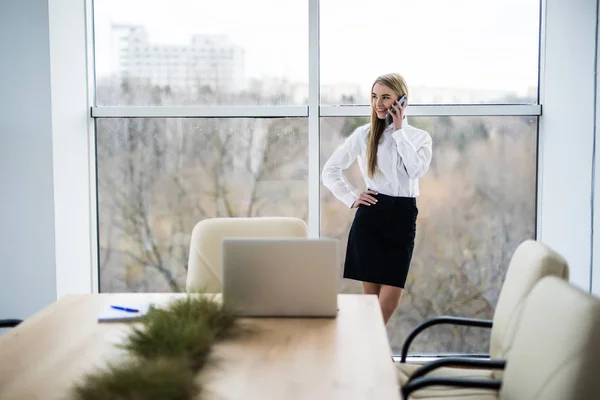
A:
(392, 157)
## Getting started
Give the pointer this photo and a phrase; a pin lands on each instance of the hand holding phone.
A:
(388, 117)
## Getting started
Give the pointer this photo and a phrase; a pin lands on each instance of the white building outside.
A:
(208, 62)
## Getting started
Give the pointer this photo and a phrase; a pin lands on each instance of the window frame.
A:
(74, 117)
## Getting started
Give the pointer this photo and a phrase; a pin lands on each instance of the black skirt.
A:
(381, 241)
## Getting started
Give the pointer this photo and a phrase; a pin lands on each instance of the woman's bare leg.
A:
(389, 300)
(371, 288)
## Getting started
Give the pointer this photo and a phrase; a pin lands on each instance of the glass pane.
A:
(201, 52)
(477, 203)
(158, 177)
(460, 51)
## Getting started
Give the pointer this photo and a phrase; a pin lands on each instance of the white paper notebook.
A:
(110, 314)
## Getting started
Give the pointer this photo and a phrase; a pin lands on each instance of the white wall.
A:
(567, 132)
(73, 143)
(27, 257)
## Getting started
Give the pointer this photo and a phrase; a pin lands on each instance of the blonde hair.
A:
(397, 83)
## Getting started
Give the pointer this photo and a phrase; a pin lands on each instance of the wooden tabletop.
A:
(288, 358)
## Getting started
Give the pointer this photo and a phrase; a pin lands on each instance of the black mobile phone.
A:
(388, 117)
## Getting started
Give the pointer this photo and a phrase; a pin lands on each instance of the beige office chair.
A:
(555, 353)
(530, 262)
(204, 264)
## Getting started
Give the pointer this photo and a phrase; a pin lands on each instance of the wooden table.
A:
(290, 358)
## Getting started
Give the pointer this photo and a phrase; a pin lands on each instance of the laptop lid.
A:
(281, 277)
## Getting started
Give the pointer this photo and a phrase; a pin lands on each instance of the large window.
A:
(206, 109)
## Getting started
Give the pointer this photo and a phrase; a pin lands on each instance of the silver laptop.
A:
(281, 277)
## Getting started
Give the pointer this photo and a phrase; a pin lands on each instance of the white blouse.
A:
(403, 157)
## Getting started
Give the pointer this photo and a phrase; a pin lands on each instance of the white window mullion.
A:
(91, 151)
(595, 207)
(440, 110)
(199, 111)
(314, 213)
(303, 111)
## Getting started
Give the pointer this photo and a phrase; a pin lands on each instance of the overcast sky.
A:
(479, 44)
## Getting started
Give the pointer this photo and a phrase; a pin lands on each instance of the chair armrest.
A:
(457, 362)
(480, 323)
(9, 323)
(425, 381)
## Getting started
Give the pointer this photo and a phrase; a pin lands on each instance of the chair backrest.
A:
(556, 350)
(530, 262)
(205, 258)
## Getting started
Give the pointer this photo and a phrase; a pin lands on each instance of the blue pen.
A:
(125, 309)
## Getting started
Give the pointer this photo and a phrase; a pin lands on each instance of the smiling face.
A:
(382, 99)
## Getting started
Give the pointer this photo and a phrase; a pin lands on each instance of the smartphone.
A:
(388, 117)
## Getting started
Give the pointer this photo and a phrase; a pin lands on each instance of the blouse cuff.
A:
(349, 199)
